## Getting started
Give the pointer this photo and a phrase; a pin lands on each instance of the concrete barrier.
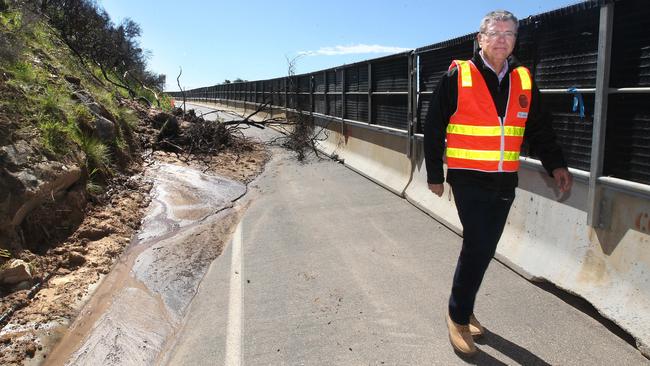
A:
(377, 155)
(442, 208)
(610, 267)
(329, 136)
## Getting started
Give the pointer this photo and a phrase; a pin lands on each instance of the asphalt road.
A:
(328, 268)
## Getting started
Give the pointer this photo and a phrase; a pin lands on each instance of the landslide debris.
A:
(72, 153)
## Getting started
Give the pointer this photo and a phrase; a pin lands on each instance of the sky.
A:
(217, 40)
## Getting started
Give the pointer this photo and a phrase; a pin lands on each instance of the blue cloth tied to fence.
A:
(578, 102)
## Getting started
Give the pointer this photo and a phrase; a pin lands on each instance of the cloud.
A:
(353, 49)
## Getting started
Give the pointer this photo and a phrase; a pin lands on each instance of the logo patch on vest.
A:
(522, 115)
(523, 101)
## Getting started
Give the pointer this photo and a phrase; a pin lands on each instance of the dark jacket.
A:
(538, 134)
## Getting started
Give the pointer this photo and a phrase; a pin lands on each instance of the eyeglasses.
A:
(509, 35)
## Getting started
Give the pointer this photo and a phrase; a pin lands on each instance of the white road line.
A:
(233, 337)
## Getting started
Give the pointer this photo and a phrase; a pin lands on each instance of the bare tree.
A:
(178, 81)
(300, 134)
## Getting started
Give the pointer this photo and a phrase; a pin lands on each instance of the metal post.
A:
(409, 105)
(417, 94)
(369, 92)
(311, 93)
(594, 197)
(343, 108)
(327, 107)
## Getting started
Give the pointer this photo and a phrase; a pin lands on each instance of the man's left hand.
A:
(563, 179)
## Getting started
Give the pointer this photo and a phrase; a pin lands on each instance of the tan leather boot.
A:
(475, 328)
(460, 338)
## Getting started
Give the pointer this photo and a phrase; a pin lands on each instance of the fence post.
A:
(409, 107)
(594, 218)
(369, 92)
(311, 93)
(325, 90)
(344, 111)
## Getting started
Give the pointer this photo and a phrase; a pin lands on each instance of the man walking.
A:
(484, 107)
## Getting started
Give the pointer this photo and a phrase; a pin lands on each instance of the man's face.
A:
(498, 41)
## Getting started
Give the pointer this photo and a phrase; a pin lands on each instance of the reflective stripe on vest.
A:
(477, 138)
(465, 74)
(488, 155)
(484, 130)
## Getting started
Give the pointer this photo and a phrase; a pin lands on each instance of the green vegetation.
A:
(76, 39)
(11, 20)
(55, 136)
(97, 154)
(23, 72)
(128, 117)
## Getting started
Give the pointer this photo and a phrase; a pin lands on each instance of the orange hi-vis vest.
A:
(477, 138)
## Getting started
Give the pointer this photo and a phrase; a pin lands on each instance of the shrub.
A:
(54, 136)
(23, 71)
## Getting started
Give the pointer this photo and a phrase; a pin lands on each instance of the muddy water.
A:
(139, 305)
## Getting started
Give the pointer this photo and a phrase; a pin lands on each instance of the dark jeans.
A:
(483, 213)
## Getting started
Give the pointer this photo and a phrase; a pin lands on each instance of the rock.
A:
(100, 110)
(82, 96)
(17, 272)
(73, 80)
(95, 232)
(104, 129)
(16, 155)
(23, 285)
(30, 350)
(34, 185)
(63, 271)
(75, 259)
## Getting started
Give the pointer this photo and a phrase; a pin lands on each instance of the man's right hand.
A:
(437, 189)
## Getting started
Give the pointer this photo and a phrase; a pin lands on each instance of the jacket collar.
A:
(513, 63)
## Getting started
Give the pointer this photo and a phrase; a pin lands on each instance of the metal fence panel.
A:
(303, 103)
(356, 107)
(390, 110)
(561, 48)
(334, 80)
(319, 82)
(335, 105)
(304, 83)
(319, 104)
(356, 78)
(390, 75)
(433, 64)
(631, 44)
(572, 132)
(627, 149)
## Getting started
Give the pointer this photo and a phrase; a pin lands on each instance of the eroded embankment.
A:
(137, 308)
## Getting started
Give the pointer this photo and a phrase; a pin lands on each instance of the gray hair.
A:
(497, 16)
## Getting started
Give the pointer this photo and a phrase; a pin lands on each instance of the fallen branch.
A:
(132, 94)
(155, 95)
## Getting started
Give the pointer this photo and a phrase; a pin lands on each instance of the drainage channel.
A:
(137, 308)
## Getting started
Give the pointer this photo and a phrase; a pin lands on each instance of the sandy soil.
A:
(73, 268)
